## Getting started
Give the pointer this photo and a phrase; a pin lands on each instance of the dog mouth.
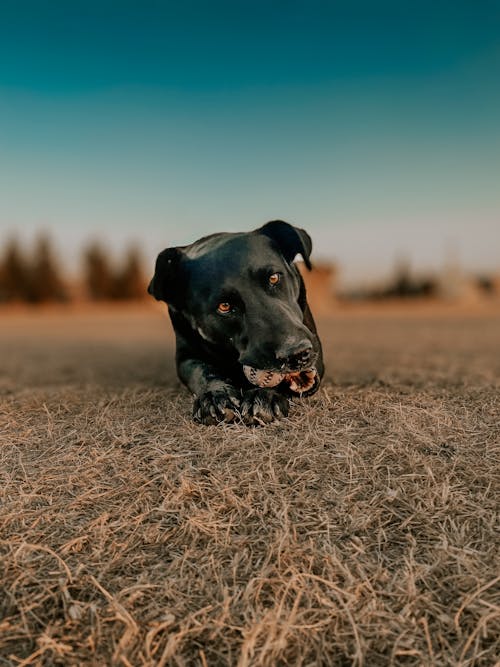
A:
(303, 382)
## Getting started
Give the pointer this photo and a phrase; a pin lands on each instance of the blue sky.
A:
(374, 125)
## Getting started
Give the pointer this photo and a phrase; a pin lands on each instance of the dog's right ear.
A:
(165, 284)
(290, 240)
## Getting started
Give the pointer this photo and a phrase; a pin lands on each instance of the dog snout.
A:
(296, 355)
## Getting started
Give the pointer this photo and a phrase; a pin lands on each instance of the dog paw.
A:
(214, 407)
(262, 406)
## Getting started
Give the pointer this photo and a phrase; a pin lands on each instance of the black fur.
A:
(269, 327)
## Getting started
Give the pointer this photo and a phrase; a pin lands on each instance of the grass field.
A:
(362, 530)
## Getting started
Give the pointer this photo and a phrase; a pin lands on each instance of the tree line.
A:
(37, 276)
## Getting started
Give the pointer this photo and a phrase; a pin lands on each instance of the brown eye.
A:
(274, 278)
(224, 307)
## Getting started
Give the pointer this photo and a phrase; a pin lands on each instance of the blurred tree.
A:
(404, 285)
(15, 283)
(98, 274)
(129, 280)
(45, 277)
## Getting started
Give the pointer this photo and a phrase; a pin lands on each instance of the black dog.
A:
(246, 339)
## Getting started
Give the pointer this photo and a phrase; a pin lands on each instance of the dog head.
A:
(242, 295)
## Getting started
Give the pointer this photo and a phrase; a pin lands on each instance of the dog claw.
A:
(215, 407)
(277, 411)
(262, 406)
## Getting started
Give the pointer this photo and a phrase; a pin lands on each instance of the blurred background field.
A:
(36, 275)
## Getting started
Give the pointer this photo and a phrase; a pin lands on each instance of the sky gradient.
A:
(373, 125)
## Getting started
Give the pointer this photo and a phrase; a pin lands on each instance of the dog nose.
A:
(296, 355)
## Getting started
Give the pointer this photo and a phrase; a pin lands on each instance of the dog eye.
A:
(224, 307)
(274, 278)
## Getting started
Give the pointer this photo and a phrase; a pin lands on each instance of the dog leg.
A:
(216, 399)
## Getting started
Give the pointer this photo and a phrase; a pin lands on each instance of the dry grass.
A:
(360, 531)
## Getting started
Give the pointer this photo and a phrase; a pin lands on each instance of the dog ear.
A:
(165, 284)
(290, 240)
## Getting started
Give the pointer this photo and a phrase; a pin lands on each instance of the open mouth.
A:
(302, 382)
(299, 382)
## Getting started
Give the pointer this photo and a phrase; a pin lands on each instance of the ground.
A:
(362, 530)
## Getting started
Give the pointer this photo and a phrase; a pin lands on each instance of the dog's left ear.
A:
(290, 240)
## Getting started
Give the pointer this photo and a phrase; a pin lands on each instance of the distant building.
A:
(495, 285)
(453, 284)
(321, 286)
